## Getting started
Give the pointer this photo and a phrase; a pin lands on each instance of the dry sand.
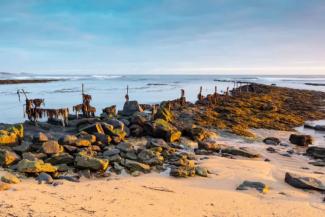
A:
(159, 195)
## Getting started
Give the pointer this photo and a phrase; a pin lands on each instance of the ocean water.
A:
(110, 89)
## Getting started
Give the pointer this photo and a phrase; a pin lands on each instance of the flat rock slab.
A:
(304, 182)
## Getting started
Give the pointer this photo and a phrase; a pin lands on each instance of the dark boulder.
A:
(130, 107)
(301, 140)
(303, 182)
(272, 141)
(316, 152)
(259, 186)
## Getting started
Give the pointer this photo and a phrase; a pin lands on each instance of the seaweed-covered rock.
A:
(304, 182)
(87, 162)
(52, 147)
(8, 157)
(301, 140)
(37, 166)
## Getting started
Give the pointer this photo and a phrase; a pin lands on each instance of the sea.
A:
(107, 90)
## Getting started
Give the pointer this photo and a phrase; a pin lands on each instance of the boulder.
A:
(68, 140)
(52, 147)
(37, 166)
(4, 186)
(272, 141)
(82, 143)
(110, 111)
(11, 135)
(103, 139)
(259, 186)
(136, 166)
(139, 119)
(304, 182)
(195, 133)
(87, 162)
(44, 178)
(40, 137)
(60, 158)
(111, 152)
(210, 146)
(136, 130)
(163, 129)
(93, 128)
(33, 156)
(164, 113)
(130, 107)
(316, 152)
(10, 179)
(301, 140)
(154, 143)
(8, 157)
(117, 124)
(150, 157)
(24, 147)
(90, 137)
(201, 171)
(125, 146)
(182, 172)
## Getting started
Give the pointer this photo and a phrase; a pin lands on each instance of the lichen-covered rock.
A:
(10, 179)
(8, 157)
(163, 129)
(68, 140)
(37, 166)
(164, 113)
(301, 140)
(195, 133)
(182, 171)
(150, 157)
(136, 166)
(52, 147)
(87, 162)
(4, 186)
(11, 135)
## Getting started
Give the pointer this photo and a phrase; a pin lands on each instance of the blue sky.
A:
(162, 36)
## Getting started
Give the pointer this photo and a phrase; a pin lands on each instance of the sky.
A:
(163, 36)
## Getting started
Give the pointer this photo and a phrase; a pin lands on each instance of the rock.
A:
(52, 147)
(82, 143)
(4, 186)
(33, 156)
(136, 166)
(117, 124)
(104, 139)
(136, 130)
(24, 147)
(125, 146)
(11, 135)
(272, 141)
(111, 152)
(188, 143)
(130, 107)
(117, 135)
(40, 137)
(316, 152)
(90, 137)
(320, 127)
(195, 133)
(8, 158)
(271, 150)
(301, 140)
(60, 158)
(93, 128)
(70, 148)
(92, 163)
(154, 143)
(44, 178)
(182, 172)
(150, 157)
(38, 166)
(68, 140)
(130, 155)
(163, 129)
(304, 182)
(210, 146)
(201, 171)
(110, 111)
(259, 186)
(63, 168)
(240, 152)
(135, 173)
(318, 163)
(10, 179)
(164, 113)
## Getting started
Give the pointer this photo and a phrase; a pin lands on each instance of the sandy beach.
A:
(160, 195)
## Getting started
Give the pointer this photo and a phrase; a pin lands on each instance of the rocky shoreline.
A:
(174, 138)
(27, 81)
